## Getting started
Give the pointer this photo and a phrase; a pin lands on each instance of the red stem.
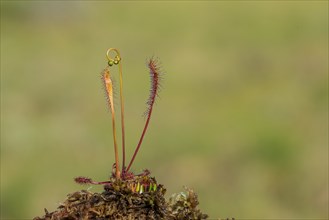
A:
(142, 137)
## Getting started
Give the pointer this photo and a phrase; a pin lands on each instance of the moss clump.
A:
(118, 201)
(184, 206)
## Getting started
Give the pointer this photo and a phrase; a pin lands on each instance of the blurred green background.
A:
(243, 116)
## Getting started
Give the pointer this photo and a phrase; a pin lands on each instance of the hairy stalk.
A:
(109, 92)
(155, 84)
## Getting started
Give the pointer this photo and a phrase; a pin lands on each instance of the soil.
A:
(128, 200)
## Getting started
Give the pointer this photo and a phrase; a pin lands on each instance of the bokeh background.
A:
(242, 118)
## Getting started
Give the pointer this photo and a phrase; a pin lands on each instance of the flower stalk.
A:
(117, 61)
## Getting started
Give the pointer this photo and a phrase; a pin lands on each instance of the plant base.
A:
(117, 201)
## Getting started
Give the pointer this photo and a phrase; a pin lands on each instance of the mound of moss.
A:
(118, 201)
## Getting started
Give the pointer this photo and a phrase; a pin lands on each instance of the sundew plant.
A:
(124, 173)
